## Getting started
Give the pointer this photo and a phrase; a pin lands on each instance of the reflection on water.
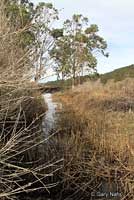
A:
(50, 116)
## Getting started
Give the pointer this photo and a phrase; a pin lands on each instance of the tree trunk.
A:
(82, 74)
(62, 76)
(73, 82)
(73, 78)
(79, 79)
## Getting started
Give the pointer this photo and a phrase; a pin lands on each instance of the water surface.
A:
(50, 115)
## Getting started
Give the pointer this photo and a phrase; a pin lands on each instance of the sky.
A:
(115, 19)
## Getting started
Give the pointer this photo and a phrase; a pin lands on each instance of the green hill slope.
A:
(118, 74)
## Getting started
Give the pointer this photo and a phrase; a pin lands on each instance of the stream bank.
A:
(83, 174)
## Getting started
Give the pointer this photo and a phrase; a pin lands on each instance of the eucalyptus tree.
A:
(45, 17)
(74, 51)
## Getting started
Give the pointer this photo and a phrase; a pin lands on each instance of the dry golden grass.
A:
(98, 137)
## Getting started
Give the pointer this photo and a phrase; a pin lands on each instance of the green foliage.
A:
(74, 50)
(92, 29)
(56, 33)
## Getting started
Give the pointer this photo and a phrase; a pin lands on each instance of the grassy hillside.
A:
(118, 74)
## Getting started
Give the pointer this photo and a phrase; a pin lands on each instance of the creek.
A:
(50, 117)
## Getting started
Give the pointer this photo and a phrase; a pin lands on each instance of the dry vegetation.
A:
(94, 132)
(23, 165)
(97, 139)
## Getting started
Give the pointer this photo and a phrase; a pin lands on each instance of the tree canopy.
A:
(74, 50)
